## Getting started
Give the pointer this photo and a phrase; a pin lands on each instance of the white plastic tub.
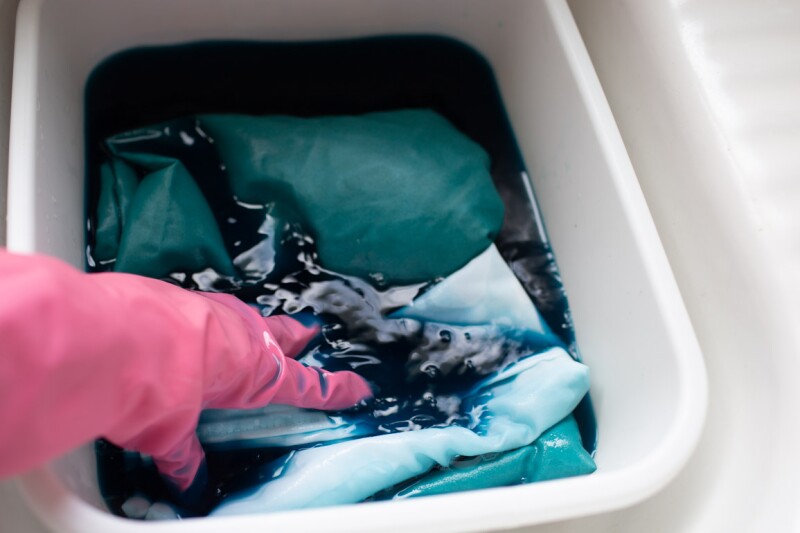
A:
(648, 379)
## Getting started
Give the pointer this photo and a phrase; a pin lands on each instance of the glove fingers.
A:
(314, 388)
(291, 334)
(181, 464)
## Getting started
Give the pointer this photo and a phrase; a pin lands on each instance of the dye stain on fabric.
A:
(231, 146)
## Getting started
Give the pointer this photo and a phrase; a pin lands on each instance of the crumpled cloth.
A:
(337, 174)
(509, 410)
(515, 407)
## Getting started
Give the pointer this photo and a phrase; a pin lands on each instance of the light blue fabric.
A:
(484, 291)
(509, 410)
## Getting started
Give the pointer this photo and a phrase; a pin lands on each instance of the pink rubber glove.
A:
(135, 360)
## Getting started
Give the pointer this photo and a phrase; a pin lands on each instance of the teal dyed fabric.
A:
(402, 196)
(158, 224)
(118, 183)
(556, 454)
(396, 197)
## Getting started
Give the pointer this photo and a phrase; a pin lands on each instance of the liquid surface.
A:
(278, 257)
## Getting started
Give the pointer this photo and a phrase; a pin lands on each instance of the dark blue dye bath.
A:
(152, 85)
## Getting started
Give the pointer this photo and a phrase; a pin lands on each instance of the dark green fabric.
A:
(118, 183)
(400, 195)
(558, 453)
(167, 226)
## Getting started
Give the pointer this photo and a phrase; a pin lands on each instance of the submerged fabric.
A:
(507, 410)
(395, 198)
(118, 186)
(554, 455)
(515, 407)
(484, 296)
(401, 195)
(156, 356)
(398, 196)
(485, 291)
(174, 228)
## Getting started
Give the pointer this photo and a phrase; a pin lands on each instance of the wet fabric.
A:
(118, 186)
(426, 185)
(323, 78)
(512, 408)
(158, 224)
(507, 410)
(400, 195)
(395, 198)
(484, 291)
(556, 454)
(470, 324)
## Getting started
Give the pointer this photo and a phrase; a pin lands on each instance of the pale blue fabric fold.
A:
(484, 291)
(509, 409)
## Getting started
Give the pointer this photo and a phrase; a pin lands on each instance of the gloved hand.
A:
(135, 360)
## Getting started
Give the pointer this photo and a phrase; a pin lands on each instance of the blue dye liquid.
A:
(151, 85)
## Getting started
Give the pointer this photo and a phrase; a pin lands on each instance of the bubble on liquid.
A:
(136, 507)
(431, 369)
